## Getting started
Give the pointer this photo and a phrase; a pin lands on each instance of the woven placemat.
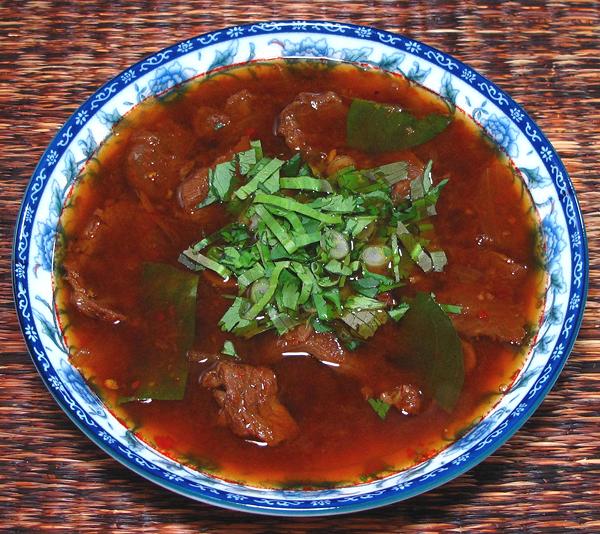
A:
(54, 54)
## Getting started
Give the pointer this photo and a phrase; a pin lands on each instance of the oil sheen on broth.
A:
(135, 205)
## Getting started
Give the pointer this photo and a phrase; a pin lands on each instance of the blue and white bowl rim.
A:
(280, 502)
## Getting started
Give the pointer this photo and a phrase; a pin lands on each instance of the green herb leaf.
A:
(292, 166)
(233, 316)
(392, 173)
(293, 205)
(379, 407)
(399, 311)
(364, 322)
(278, 231)
(359, 302)
(251, 275)
(432, 340)
(221, 179)
(268, 169)
(169, 298)
(439, 259)
(197, 262)
(306, 183)
(375, 127)
(229, 349)
(268, 295)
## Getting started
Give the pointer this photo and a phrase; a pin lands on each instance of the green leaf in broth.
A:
(434, 343)
(169, 298)
(375, 127)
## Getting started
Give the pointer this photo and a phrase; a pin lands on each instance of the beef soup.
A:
(299, 274)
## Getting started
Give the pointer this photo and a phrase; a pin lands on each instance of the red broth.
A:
(484, 208)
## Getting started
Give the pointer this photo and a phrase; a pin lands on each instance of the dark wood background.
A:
(54, 54)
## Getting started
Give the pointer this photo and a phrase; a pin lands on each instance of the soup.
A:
(298, 274)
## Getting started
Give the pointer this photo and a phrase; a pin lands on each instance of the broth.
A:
(483, 214)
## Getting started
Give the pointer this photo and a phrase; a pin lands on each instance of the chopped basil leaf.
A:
(306, 183)
(305, 259)
(451, 308)
(398, 312)
(380, 407)
(266, 171)
(229, 350)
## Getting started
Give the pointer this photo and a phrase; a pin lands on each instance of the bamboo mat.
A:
(54, 54)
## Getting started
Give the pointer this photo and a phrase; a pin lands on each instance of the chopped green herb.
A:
(197, 262)
(306, 183)
(229, 350)
(267, 171)
(293, 205)
(451, 308)
(380, 407)
(306, 259)
(398, 312)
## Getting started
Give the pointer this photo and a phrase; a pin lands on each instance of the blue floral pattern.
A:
(168, 77)
(562, 232)
(503, 132)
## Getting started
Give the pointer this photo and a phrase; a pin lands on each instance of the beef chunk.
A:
(86, 301)
(406, 398)
(240, 104)
(491, 307)
(155, 158)
(324, 347)
(312, 117)
(249, 405)
(194, 189)
(208, 123)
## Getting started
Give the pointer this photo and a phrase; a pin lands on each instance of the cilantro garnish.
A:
(380, 407)
(326, 256)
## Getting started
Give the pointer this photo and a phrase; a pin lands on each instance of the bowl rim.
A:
(325, 28)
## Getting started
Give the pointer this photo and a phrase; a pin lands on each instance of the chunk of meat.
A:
(240, 104)
(376, 374)
(337, 163)
(194, 189)
(401, 189)
(406, 398)
(155, 158)
(489, 318)
(249, 405)
(490, 308)
(312, 118)
(324, 347)
(87, 302)
(208, 122)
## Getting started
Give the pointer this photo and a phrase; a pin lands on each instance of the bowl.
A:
(544, 175)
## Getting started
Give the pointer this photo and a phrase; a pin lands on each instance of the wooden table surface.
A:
(54, 54)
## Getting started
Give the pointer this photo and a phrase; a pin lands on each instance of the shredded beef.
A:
(249, 405)
(86, 302)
